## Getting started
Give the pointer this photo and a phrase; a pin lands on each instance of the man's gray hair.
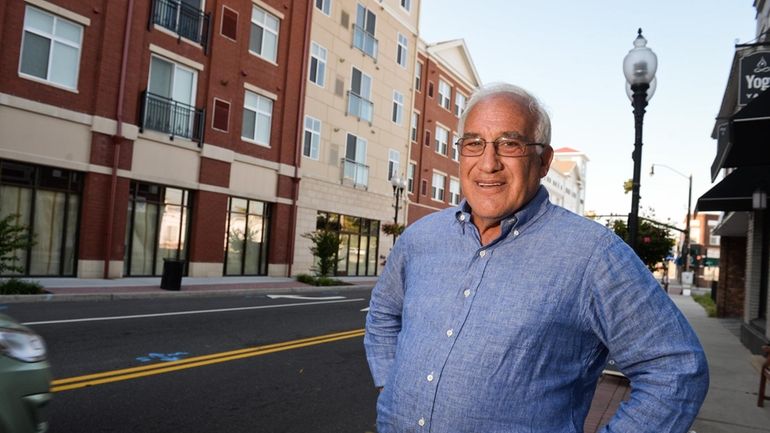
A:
(543, 121)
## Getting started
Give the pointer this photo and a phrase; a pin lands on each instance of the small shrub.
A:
(15, 286)
(320, 281)
(707, 303)
(305, 278)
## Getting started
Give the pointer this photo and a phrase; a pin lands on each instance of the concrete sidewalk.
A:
(731, 403)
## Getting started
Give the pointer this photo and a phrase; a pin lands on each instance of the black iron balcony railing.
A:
(172, 117)
(365, 41)
(355, 173)
(360, 107)
(185, 20)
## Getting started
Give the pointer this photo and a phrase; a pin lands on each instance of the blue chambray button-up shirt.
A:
(512, 336)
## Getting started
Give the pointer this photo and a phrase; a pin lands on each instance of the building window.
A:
(157, 229)
(183, 17)
(454, 191)
(221, 118)
(410, 177)
(394, 160)
(312, 144)
(415, 121)
(455, 150)
(363, 31)
(359, 103)
(257, 117)
(407, 5)
(229, 26)
(354, 168)
(460, 101)
(47, 201)
(437, 188)
(402, 51)
(359, 241)
(444, 91)
(713, 239)
(418, 77)
(317, 72)
(169, 103)
(398, 107)
(442, 140)
(264, 34)
(246, 237)
(324, 6)
(50, 48)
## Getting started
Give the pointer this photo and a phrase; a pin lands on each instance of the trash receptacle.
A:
(172, 274)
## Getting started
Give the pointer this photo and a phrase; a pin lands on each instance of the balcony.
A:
(355, 173)
(186, 21)
(360, 107)
(172, 117)
(365, 42)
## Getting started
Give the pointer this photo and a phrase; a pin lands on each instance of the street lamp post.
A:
(686, 243)
(398, 185)
(639, 67)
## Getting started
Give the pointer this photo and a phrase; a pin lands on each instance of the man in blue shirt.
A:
(497, 316)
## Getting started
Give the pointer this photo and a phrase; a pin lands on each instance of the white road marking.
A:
(365, 309)
(310, 298)
(183, 313)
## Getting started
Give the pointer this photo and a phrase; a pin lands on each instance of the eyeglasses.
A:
(504, 146)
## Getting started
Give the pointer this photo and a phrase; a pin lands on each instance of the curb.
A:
(139, 294)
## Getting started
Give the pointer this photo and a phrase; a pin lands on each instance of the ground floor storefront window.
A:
(157, 228)
(246, 237)
(47, 201)
(359, 242)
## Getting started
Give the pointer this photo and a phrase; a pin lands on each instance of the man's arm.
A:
(383, 322)
(651, 342)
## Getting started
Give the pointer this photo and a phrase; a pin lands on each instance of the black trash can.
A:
(173, 270)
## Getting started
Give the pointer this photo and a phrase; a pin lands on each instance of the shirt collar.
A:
(520, 218)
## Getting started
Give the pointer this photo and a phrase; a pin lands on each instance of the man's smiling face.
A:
(495, 186)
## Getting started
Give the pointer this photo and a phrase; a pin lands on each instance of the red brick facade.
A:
(732, 277)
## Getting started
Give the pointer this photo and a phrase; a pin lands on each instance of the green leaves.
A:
(14, 239)
(326, 243)
(653, 244)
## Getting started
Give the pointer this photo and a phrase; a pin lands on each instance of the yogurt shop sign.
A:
(755, 76)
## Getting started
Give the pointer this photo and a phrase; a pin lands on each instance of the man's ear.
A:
(545, 160)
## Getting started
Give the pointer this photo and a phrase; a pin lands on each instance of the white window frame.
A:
(410, 176)
(53, 41)
(402, 50)
(441, 147)
(444, 94)
(265, 28)
(454, 191)
(455, 149)
(394, 163)
(406, 5)
(313, 133)
(413, 131)
(325, 8)
(460, 102)
(418, 77)
(254, 138)
(397, 115)
(437, 189)
(319, 54)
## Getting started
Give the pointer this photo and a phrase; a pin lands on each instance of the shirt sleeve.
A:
(383, 321)
(651, 342)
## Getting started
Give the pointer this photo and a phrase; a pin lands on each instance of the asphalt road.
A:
(214, 364)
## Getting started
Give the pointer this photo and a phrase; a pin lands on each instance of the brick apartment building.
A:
(140, 130)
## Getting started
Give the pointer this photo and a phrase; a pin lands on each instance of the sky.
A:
(569, 54)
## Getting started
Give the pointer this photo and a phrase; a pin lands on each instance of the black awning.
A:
(734, 192)
(746, 140)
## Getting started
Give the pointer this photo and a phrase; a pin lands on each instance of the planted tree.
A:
(654, 243)
(14, 237)
(326, 243)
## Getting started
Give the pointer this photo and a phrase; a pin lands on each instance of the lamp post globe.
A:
(639, 67)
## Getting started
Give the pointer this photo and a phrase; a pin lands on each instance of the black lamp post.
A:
(686, 243)
(639, 67)
(399, 185)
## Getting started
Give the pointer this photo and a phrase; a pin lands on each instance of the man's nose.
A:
(489, 160)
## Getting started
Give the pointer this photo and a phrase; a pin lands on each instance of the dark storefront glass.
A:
(47, 201)
(156, 229)
(246, 237)
(359, 240)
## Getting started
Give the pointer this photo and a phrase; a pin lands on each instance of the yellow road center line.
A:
(165, 367)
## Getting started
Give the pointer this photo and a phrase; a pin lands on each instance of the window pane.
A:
(160, 77)
(235, 239)
(271, 46)
(48, 227)
(34, 55)
(64, 65)
(183, 86)
(70, 241)
(68, 31)
(143, 247)
(18, 201)
(38, 20)
(251, 100)
(263, 129)
(249, 121)
(253, 245)
(255, 39)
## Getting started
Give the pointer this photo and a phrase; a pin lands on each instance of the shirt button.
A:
(430, 377)
(421, 422)
(515, 232)
(449, 333)
(483, 253)
(462, 217)
(467, 292)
